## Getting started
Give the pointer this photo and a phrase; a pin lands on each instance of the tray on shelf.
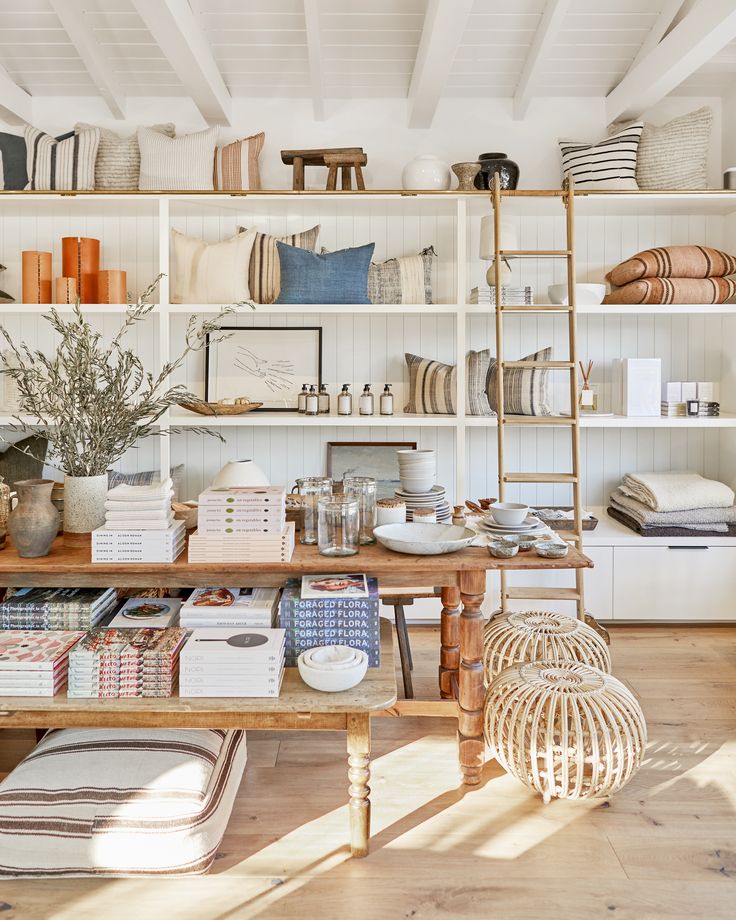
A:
(588, 524)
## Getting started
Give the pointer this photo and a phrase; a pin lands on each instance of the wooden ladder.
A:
(572, 421)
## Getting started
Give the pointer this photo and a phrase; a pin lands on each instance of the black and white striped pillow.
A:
(67, 163)
(432, 385)
(609, 164)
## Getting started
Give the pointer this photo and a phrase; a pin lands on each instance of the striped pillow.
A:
(118, 163)
(526, 390)
(236, 164)
(177, 163)
(432, 385)
(404, 280)
(67, 163)
(120, 802)
(264, 274)
(611, 163)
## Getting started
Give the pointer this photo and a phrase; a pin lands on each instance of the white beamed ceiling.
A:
(368, 49)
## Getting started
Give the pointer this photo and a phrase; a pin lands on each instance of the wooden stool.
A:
(346, 158)
(398, 602)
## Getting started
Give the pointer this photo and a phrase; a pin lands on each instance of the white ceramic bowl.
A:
(416, 486)
(424, 539)
(509, 514)
(332, 680)
(332, 657)
(585, 294)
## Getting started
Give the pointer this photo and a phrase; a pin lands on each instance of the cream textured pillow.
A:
(177, 163)
(236, 164)
(118, 163)
(211, 272)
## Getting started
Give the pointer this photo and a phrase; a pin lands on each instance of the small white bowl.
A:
(585, 294)
(333, 680)
(509, 514)
(331, 657)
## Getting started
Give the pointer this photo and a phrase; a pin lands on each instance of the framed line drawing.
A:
(268, 364)
(367, 458)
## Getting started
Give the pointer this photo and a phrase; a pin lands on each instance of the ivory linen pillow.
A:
(177, 163)
(211, 272)
(118, 164)
(407, 279)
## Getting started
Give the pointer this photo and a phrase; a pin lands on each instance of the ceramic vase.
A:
(466, 173)
(80, 259)
(426, 173)
(84, 507)
(492, 163)
(34, 522)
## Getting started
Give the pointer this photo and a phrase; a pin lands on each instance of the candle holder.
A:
(66, 290)
(36, 276)
(112, 286)
(80, 259)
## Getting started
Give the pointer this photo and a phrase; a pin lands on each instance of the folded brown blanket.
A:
(673, 290)
(666, 531)
(674, 262)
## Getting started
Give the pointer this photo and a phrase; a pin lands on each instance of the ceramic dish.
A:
(332, 657)
(585, 294)
(503, 549)
(424, 539)
(551, 550)
(491, 527)
(525, 541)
(332, 680)
(510, 514)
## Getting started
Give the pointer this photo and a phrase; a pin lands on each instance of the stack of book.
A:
(510, 295)
(57, 608)
(673, 409)
(231, 607)
(149, 546)
(331, 610)
(142, 612)
(232, 662)
(708, 409)
(35, 663)
(125, 662)
(242, 525)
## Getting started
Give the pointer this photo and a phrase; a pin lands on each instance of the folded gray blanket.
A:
(712, 530)
(694, 529)
(644, 514)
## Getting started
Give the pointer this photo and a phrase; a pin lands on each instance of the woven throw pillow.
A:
(120, 802)
(264, 274)
(673, 290)
(526, 390)
(674, 262)
(13, 171)
(432, 385)
(404, 280)
(334, 277)
(177, 163)
(118, 163)
(211, 272)
(67, 163)
(477, 366)
(609, 164)
(236, 164)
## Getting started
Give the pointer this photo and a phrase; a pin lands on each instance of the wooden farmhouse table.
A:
(461, 577)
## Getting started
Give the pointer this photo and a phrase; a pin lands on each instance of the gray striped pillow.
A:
(432, 385)
(236, 164)
(67, 164)
(404, 280)
(177, 163)
(477, 366)
(611, 163)
(526, 390)
(264, 274)
(118, 163)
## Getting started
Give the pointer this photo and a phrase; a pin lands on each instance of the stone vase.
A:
(34, 522)
(466, 173)
(84, 507)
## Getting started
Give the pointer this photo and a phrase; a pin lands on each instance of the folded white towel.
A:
(153, 492)
(648, 518)
(139, 525)
(157, 505)
(677, 491)
(164, 514)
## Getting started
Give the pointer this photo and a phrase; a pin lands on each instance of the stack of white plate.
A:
(432, 498)
(531, 525)
(417, 470)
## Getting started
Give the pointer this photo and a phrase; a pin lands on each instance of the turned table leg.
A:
(450, 641)
(359, 772)
(471, 692)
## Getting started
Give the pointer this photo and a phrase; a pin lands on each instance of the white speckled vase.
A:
(84, 507)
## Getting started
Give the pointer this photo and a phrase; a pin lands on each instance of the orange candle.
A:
(66, 290)
(80, 259)
(36, 276)
(112, 286)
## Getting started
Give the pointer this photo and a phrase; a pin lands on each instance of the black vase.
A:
(492, 163)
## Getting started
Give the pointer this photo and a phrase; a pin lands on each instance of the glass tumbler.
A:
(363, 488)
(312, 488)
(338, 525)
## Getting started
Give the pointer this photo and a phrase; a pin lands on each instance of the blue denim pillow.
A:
(332, 277)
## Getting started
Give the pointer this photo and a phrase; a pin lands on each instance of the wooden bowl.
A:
(213, 408)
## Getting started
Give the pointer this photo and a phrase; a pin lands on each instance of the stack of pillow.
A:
(673, 274)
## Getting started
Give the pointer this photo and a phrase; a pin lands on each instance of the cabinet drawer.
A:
(682, 583)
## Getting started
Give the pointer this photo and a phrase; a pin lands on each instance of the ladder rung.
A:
(552, 365)
(552, 253)
(539, 420)
(542, 594)
(540, 477)
(534, 308)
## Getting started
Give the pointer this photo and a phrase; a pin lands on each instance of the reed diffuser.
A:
(588, 399)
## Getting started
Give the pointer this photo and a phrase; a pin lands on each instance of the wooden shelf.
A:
(610, 532)
(294, 419)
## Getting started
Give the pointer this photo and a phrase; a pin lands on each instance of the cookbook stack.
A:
(57, 608)
(126, 662)
(230, 608)
(139, 526)
(232, 662)
(242, 525)
(35, 663)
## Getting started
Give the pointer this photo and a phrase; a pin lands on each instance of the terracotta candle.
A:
(66, 290)
(36, 276)
(112, 286)
(80, 259)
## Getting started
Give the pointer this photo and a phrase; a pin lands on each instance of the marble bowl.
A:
(503, 549)
(332, 657)
(424, 539)
(332, 679)
(552, 550)
(525, 541)
(509, 514)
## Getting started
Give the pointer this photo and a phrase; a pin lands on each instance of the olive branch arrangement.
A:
(95, 400)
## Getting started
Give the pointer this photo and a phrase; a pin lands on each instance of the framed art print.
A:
(268, 364)
(367, 458)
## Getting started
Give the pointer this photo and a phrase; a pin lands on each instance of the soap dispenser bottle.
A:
(345, 401)
(387, 400)
(302, 401)
(312, 401)
(366, 400)
(323, 400)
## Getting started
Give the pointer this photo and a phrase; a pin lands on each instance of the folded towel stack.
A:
(674, 505)
(140, 507)
(673, 274)
(139, 525)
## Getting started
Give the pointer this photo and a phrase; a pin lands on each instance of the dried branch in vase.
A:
(95, 401)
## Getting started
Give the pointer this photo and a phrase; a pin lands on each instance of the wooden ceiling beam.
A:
(177, 32)
(15, 103)
(544, 39)
(444, 25)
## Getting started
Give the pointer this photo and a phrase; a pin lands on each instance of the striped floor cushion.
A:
(120, 802)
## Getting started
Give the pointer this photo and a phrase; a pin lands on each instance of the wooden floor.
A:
(664, 847)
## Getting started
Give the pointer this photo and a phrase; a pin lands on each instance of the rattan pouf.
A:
(567, 730)
(537, 635)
